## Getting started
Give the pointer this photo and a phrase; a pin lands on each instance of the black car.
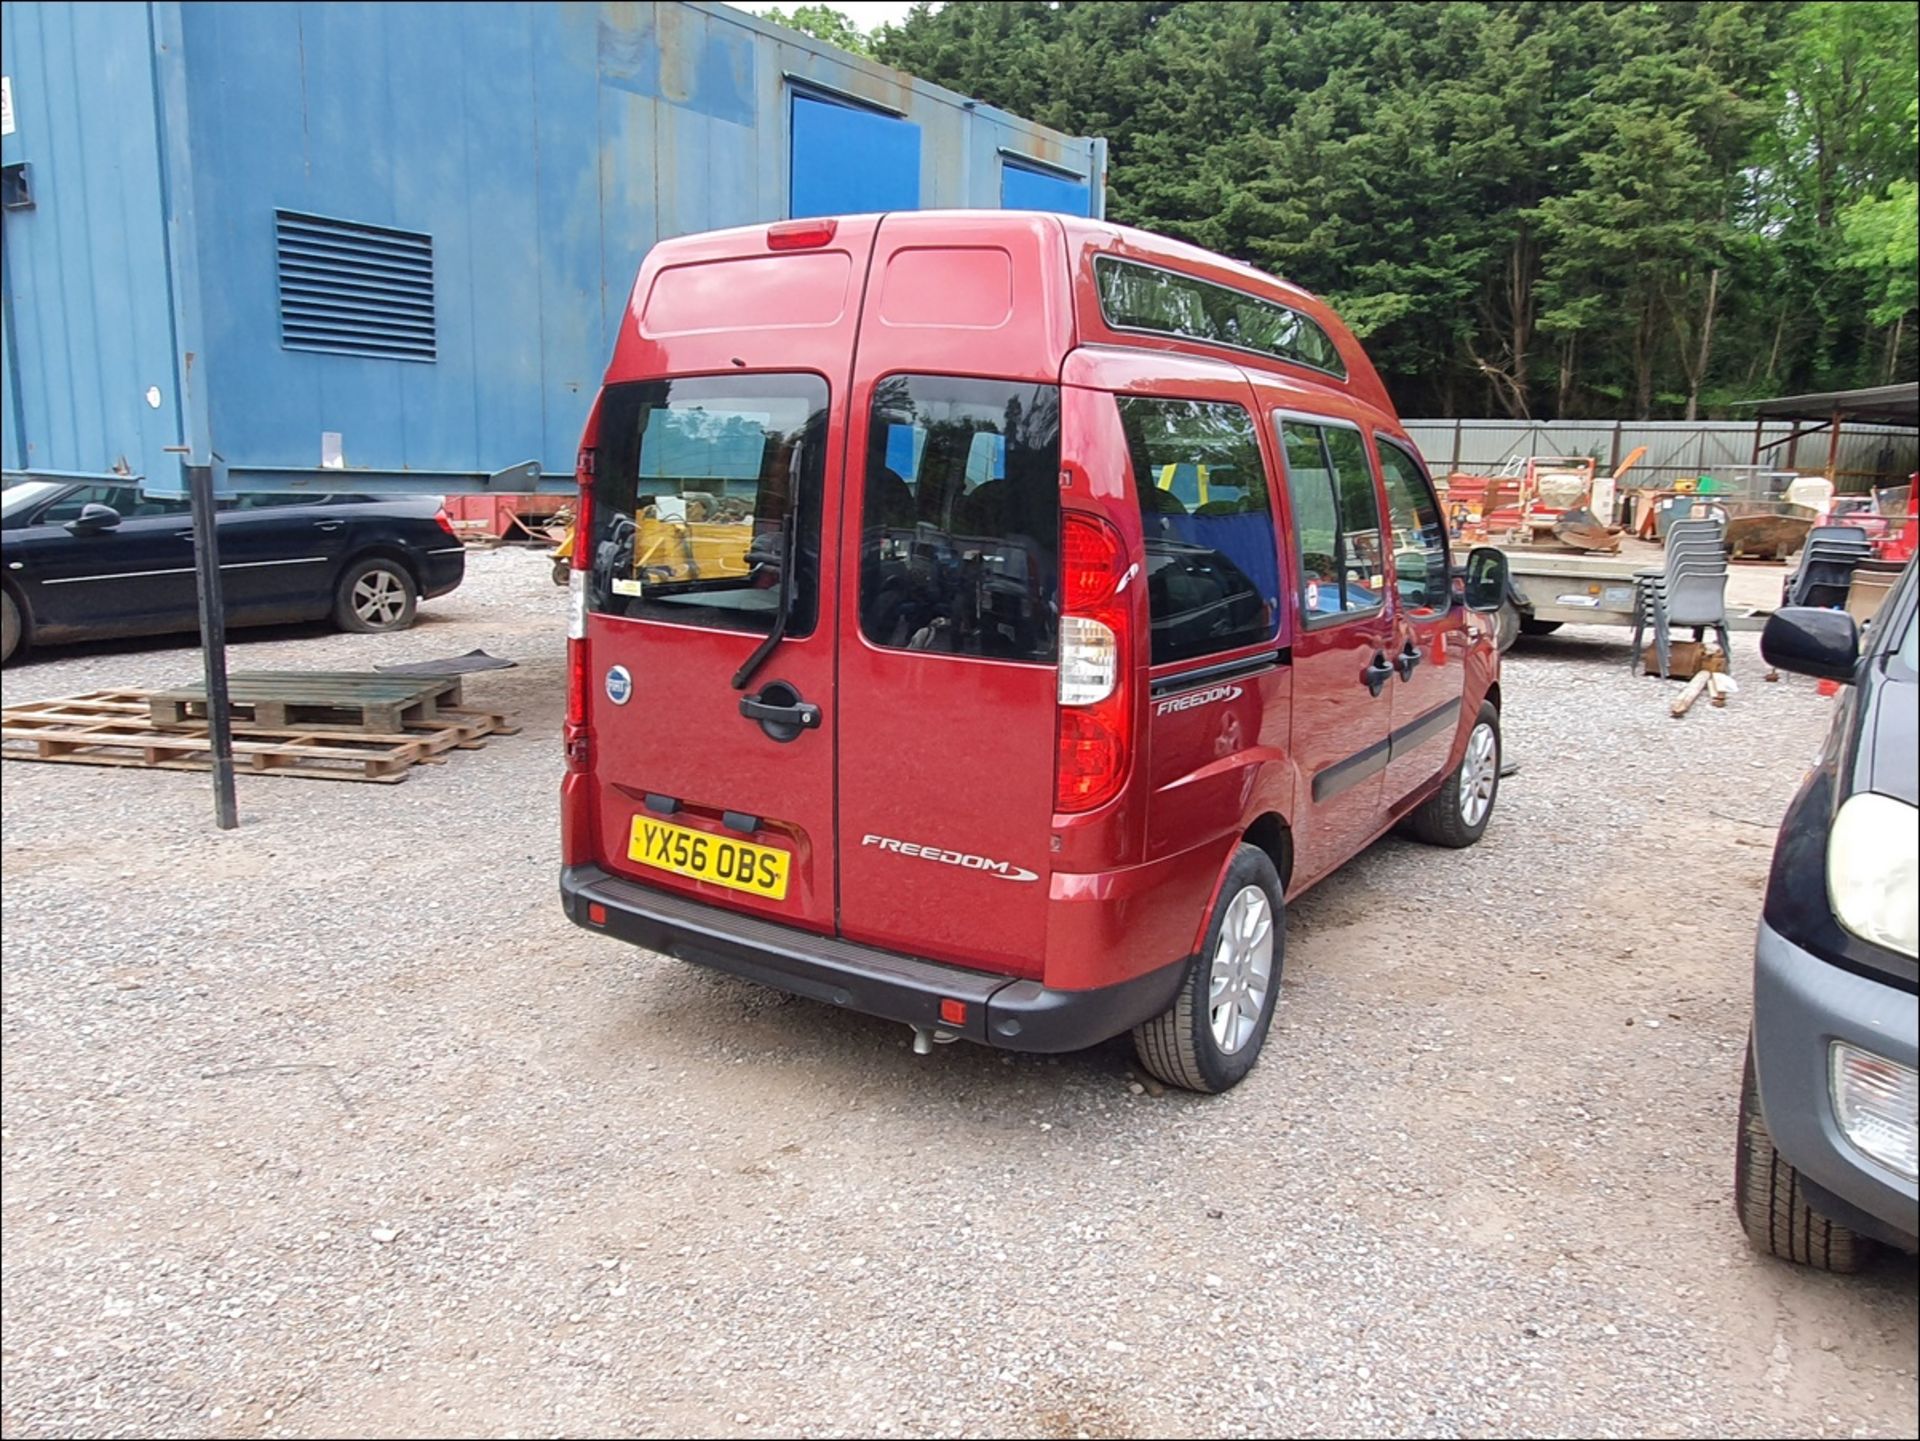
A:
(89, 561)
(1829, 1131)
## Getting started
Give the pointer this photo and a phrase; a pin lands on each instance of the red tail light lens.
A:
(800, 234)
(578, 666)
(1096, 648)
(1090, 569)
(445, 522)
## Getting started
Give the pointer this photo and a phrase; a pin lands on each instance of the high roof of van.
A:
(1100, 261)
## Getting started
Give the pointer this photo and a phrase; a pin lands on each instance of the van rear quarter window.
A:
(1213, 566)
(960, 530)
(696, 485)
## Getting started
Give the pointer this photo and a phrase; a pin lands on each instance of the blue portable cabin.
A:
(365, 246)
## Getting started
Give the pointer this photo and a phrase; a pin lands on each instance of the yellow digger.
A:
(692, 536)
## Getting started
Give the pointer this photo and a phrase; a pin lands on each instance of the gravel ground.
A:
(332, 1125)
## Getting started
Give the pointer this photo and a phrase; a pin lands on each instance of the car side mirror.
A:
(1484, 586)
(1810, 641)
(93, 519)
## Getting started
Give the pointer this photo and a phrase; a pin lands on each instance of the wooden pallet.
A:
(316, 700)
(115, 728)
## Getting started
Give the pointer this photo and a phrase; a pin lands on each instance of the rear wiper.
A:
(788, 567)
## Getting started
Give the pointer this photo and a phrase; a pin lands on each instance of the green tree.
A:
(1612, 207)
(822, 22)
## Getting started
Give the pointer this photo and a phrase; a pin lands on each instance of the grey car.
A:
(1827, 1140)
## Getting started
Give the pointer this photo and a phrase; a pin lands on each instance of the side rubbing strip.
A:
(1435, 723)
(1343, 774)
(1339, 776)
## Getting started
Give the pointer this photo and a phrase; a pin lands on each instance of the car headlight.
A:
(1873, 871)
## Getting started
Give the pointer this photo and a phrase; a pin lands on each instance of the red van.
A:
(985, 620)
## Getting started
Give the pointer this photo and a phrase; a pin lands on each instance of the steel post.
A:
(213, 642)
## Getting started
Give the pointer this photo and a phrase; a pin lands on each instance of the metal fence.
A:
(1869, 456)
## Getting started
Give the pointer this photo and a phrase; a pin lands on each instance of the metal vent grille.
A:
(354, 289)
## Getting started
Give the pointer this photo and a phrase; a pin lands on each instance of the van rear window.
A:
(960, 532)
(696, 484)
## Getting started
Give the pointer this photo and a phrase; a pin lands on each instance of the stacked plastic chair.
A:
(1826, 566)
(1689, 590)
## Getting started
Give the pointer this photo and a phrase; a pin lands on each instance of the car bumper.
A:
(1015, 1015)
(1801, 1005)
(442, 569)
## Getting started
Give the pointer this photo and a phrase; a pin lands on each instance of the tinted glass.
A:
(960, 537)
(126, 499)
(695, 485)
(278, 502)
(1419, 536)
(1213, 571)
(1336, 518)
(1142, 297)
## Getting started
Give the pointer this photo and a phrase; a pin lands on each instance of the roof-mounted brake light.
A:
(800, 234)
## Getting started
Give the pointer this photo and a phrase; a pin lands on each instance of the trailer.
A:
(1551, 588)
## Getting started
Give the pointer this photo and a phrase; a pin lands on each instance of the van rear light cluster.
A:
(579, 668)
(1095, 699)
(579, 733)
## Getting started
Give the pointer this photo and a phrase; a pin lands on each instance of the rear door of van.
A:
(949, 591)
(717, 455)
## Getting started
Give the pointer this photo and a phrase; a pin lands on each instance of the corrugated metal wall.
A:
(86, 303)
(497, 168)
(1869, 454)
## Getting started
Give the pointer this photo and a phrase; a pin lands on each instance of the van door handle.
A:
(1378, 674)
(1408, 659)
(780, 711)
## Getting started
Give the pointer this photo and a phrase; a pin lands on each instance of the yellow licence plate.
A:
(739, 865)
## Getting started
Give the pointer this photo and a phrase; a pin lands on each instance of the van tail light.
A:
(579, 732)
(1095, 695)
(800, 234)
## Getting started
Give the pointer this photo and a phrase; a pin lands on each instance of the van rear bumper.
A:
(1015, 1015)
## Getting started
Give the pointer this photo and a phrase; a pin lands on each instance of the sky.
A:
(868, 15)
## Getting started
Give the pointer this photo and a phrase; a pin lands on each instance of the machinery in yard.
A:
(1551, 516)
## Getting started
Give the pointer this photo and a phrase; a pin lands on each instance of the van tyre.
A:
(9, 626)
(376, 594)
(1212, 1034)
(1456, 815)
(1773, 1209)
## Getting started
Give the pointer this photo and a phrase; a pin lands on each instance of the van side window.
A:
(1419, 536)
(960, 520)
(1213, 568)
(1336, 519)
(1145, 297)
(696, 483)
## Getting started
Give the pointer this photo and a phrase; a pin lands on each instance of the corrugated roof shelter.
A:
(1881, 404)
(1831, 409)
(363, 246)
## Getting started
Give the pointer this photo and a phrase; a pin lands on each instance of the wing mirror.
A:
(1484, 582)
(93, 519)
(1810, 641)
